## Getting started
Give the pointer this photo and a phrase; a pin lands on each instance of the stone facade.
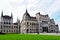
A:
(46, 24)
(40, 23)
(7, 25)
(28, 24)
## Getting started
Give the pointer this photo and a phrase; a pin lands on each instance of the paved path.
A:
(57, 34)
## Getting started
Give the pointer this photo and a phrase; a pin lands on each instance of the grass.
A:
(28, 37)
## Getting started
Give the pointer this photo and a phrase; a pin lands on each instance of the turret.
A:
(11, 15)
(2, 14)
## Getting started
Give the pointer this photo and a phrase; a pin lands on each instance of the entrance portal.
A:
(45, 29)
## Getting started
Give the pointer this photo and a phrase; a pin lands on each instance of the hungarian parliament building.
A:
(40, 23)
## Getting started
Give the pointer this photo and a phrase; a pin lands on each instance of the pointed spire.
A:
(26, 10)
(11, 15)
(2, 14)
(18, 20)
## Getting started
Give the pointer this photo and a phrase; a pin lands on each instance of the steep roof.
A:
(33, 17)
(7, 17)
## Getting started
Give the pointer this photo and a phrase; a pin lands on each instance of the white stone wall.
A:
(47, 19)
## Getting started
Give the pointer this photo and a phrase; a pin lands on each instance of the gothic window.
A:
(9, 22)
(44, 22)
(4, 22)
(4, 30)
(27, 30)
(14, 30)
(9, 30)
(1, 26)
(27, 23)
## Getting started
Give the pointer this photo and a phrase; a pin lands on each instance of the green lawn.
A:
(28, 37)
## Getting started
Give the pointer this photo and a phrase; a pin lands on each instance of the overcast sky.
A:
(18, 7)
